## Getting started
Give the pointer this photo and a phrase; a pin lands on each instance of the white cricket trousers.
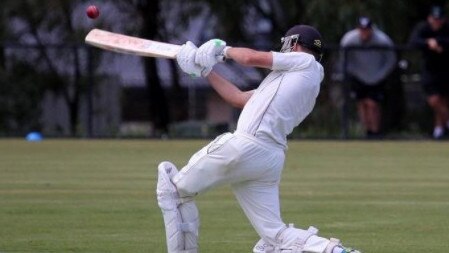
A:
(252, 168)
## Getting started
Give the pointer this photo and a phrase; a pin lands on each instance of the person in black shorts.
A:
(432, 37)
(360, 90)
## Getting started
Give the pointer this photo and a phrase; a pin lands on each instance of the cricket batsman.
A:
(250, 159)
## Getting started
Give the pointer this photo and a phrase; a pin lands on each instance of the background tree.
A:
(20, 84)
(51, 22)
(254, 23)
(145, 21)
(239, 24)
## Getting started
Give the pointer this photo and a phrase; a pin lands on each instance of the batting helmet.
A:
(304, 35)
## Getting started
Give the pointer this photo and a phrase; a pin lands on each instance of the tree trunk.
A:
(156, 95)
(76, 96)
(73, 118)
(2, 58)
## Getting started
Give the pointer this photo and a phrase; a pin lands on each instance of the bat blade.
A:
(131, 45)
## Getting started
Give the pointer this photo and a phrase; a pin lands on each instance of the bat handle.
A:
(220, 58)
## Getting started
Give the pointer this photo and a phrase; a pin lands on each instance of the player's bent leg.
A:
(180, 216)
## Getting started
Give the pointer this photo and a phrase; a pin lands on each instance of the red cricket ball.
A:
(92, 12)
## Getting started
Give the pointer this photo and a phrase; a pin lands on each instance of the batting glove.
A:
(210, 53)
(186, 61)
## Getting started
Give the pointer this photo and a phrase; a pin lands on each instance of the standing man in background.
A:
(432, 37)
(367, 71)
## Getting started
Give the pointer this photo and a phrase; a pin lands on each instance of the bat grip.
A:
(220, 58)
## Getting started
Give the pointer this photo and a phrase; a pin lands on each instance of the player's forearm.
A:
(250, 57)
(228, 91)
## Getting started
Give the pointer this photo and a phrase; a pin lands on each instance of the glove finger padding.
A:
(186, 59)
(207, 54)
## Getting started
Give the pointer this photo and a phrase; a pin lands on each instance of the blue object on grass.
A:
(34, 136)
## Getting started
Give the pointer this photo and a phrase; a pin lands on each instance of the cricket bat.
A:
(131, 45)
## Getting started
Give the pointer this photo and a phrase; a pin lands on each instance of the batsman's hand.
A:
(186, 61)
(210, 53)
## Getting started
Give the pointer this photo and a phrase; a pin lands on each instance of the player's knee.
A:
(185, 190)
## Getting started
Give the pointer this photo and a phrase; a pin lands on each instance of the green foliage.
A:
(44, 22)
(332, 18)
(53, 21)
(396, 18)
(21, 91)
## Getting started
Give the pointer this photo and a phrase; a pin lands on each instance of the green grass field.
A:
(99, 196)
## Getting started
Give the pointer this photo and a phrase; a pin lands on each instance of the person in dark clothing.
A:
(432, 37)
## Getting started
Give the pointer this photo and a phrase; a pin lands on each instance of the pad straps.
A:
(334, 242)
(189, 227)
(298, 244)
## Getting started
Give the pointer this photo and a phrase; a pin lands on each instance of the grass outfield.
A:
(99, 196)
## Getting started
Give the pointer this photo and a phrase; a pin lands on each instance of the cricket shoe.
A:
(336, 247)
(438, 133)
(349, 250)
(263, 247)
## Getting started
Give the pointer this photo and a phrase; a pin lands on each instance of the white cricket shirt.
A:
(283, 99)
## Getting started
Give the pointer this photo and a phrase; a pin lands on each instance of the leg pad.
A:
(181, 219)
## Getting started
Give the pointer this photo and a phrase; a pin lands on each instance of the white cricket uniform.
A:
(251, 159)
